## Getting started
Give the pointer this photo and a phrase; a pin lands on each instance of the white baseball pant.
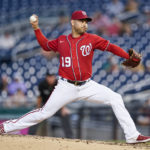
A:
(65, 93)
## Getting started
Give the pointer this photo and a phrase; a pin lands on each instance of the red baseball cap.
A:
(80, 14)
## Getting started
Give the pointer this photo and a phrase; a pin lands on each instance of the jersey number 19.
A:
(66, 61)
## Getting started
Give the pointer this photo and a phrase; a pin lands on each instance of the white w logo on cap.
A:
(84, 13)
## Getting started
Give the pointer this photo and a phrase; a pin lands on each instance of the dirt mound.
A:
(15, 142)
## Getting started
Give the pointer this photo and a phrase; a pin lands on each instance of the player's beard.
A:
(80, 31)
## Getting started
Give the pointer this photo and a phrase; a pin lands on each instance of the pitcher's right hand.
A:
(35, 24)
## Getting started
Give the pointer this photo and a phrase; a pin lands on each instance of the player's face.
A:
(51, 79)
(80, 26)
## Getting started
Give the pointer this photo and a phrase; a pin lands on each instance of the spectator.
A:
(144, 118)
(17, 100)
(131, 6)
(105, 25)
(16, 93)
(147, 66)
(16, 85)
(111, 66)
(125, 29)
(131, 12)
(3, 89)
(115, 7)
(7, 41)
(63, 22)
(146, 16)
(101, 22)
(46, 88)
(4, 84)
(115, 27)
(114, 64)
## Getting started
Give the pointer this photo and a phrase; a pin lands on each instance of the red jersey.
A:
(76, 54)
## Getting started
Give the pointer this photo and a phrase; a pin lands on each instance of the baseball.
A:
(33, 18)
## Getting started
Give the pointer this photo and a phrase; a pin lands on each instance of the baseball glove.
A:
(134, 59)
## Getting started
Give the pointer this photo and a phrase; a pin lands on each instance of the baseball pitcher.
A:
(76, 52)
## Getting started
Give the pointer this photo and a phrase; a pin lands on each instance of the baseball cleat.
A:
(140, 139)
(2, 129)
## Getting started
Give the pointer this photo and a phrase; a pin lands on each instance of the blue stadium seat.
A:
(34, 68)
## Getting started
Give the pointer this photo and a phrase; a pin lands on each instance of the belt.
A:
(77, 83)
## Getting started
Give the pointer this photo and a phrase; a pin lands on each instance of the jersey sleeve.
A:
(100, 43)
(46, 44)
(118, 51)
(53, 45)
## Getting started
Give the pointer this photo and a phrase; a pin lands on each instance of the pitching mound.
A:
(13, 142)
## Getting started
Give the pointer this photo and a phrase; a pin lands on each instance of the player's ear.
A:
(72, 22)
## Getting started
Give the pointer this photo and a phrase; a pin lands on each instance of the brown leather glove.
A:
(134, 59)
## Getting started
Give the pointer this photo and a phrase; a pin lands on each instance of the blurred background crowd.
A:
(23, 65)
